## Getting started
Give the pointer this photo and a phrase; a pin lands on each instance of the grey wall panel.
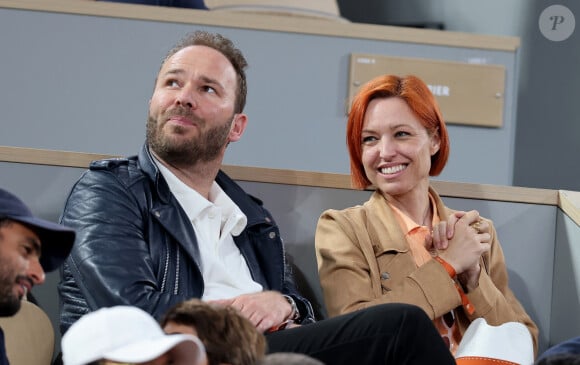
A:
(548, 105)
(566, 291)
(527, 236)
(81, 83)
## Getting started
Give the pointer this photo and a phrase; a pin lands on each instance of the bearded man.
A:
(167, 225)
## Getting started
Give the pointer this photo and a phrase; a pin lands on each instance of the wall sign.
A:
(471, 94)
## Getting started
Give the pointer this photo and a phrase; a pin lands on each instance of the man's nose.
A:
(186, 97)
(36, 272)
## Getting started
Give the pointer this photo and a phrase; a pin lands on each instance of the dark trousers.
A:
(396, 334)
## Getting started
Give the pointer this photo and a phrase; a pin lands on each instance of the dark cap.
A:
(56, 240)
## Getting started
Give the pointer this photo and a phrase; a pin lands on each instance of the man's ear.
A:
(238, 126)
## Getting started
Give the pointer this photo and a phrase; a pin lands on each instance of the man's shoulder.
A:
(112, 178)
(115, 163)
(126, 169)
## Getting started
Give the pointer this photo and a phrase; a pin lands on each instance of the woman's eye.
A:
(402, 134)
(368, 139)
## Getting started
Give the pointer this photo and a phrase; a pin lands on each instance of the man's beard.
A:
(9, 303)
(205, 147)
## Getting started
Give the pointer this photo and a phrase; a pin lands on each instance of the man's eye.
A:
(27, 250)
(208, 89)
(172, 83)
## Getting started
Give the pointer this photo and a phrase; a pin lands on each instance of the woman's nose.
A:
(386, 147)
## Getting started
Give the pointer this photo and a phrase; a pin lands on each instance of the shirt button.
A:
(385, 276)
(272, 235)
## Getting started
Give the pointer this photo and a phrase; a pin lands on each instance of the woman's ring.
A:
(476, 226)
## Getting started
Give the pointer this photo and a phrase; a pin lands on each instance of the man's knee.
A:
(392, 317)
(399, 317)
(401, 310)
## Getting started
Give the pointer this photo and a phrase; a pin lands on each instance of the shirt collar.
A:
(194, 203)
(406, 223)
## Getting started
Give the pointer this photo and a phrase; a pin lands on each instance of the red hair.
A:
(417, 95)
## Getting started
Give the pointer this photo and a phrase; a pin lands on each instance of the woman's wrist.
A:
(447, 266)
(469, 280)
(465, 302)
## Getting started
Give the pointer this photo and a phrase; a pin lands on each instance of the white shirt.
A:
(215, 222)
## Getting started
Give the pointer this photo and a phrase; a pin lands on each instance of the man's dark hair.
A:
(225, 47)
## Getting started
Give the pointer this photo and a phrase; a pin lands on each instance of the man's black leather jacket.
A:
(136, 246)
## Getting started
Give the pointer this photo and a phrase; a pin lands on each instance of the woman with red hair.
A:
(404, 244)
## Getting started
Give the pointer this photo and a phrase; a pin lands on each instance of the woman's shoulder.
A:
(345, 212)
(356, 212)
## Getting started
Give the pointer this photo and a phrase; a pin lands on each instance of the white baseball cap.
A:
(126, 334)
